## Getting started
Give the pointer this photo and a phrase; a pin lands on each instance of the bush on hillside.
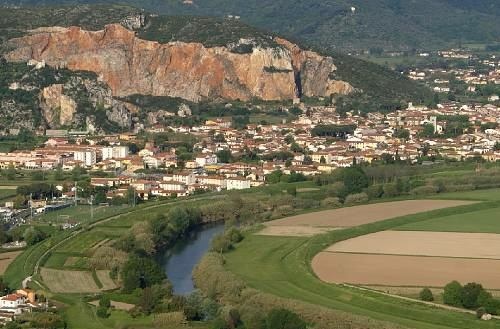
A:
(426, 295)
(331, 202)
(357, 198)
(374, 191)
(424, 190)
(390, 190)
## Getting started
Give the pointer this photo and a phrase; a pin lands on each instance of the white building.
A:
(87, 157)
(114, 152)
(237, 183)
(206, 160)
(12, 303)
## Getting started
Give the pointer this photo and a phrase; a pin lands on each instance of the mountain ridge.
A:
(388, 24)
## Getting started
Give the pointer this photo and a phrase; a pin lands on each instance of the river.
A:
(180, 260)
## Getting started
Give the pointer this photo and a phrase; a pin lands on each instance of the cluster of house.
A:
(18, 302)
(479, 72)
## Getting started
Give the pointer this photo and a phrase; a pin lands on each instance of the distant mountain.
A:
(199, 59)
(347, 24)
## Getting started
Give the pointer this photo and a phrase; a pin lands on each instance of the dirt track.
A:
(359, 215)
(436, 244)
(365, 269)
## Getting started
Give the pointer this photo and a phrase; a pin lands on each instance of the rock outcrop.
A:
(57, 108)
(130, 65)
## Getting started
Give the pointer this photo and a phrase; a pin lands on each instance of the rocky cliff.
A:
(130, 65)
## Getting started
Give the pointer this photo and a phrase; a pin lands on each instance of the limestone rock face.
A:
(130, 65)
(57, 108)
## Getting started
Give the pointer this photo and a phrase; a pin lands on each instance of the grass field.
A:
(84, 242)
(80, 213)
(281, 266)
(483, 195)
(60, 281)
(484, 221)
(7, 193)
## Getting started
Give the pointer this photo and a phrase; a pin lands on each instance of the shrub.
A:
(104, 302)
(390, 190)
(452, 294)
(169, 320)
(292, 190)
(336, 190)
(374, 191)
(331, 202)
(225, 241)
(357, 198)
(282, 318)
(426, 295)
(424, 190)
(102, 312)
(480, 312)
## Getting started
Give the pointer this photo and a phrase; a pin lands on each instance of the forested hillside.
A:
(389, 24)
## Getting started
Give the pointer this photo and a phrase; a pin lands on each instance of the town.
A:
(318, 141)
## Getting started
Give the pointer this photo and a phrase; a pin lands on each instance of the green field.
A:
(7, 193)
(80, 213)
(84, 242)
(480, 195)
(281, 266)
(484, 221)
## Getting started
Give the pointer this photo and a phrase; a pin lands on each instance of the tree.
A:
(452, 294)
(470, 294)
(33, 235)
(141, 272)
(224, 156)
(104, 301)
(219, 138)
(355, 180)
(58, 174)
(426, 295)
(284, 319)
(11, 172)
(274, 177)
(77, 172)
(38, 175)
(428, 130)
(133, 148)
(102, 312)
(147, 301)
(402, 134)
